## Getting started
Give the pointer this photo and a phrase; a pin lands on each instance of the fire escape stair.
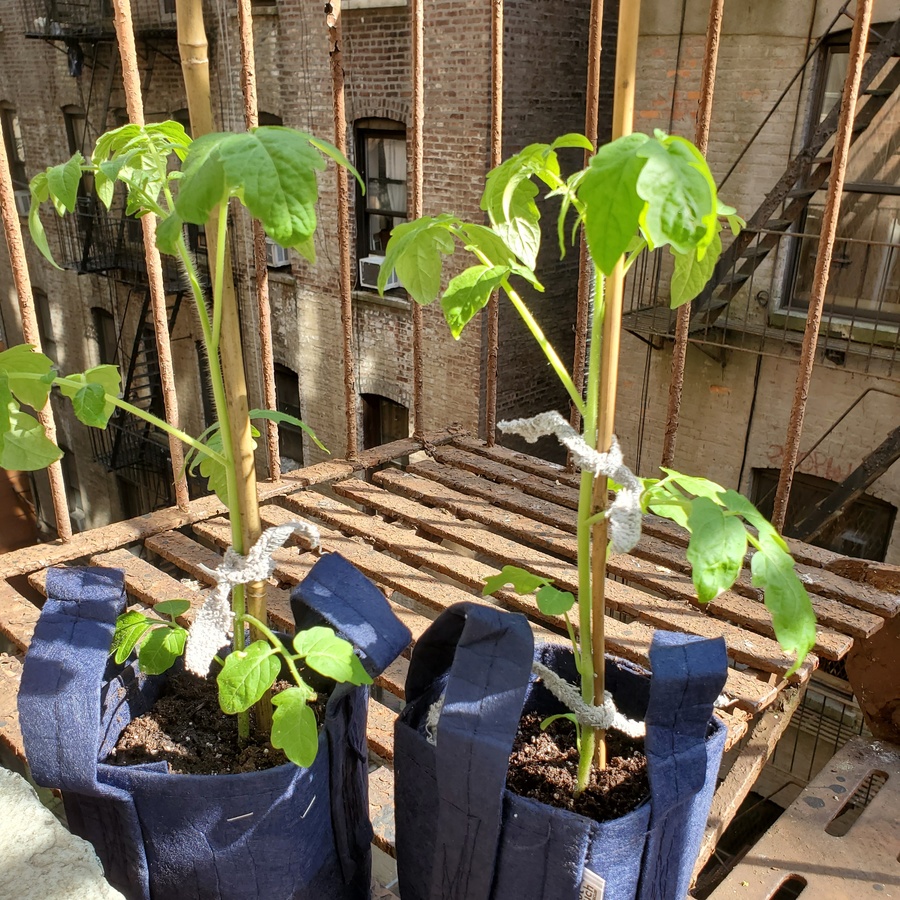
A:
(806, 174)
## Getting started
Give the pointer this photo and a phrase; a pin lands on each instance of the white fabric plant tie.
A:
(600, 717)
(625, 511)
(213, 624)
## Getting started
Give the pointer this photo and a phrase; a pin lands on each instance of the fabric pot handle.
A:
(486, 654)
(336, 591)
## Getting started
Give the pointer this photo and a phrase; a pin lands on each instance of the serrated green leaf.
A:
(246, 676)
(174, 135)
(172, 608)
(330, 655)
(716, 548)
(63, 181)
(415, 252)
(276, 416)
(522, 581)
(681, 204)
(163, 646)
(786, 598)
(91, 393)
(517, 221)
(23, 446)
(468, 293)
(613, 207)
(553, 602)
(294, 728)
(21, 364)
(692, 274)
(168, 232)
(130, 628)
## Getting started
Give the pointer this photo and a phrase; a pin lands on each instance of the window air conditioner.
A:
(369, 268)
(276, 255)
(23, 202)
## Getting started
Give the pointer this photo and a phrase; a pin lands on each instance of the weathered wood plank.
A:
(10, 733)
(732, 607)
(18, 616)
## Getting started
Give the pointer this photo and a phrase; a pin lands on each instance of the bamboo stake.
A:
(493, 309)
(701, 139)
(135, 105)
(333, 21)
(263, 309)
(585, 265)
(12, 229)
(830, 216)
(193, 47)
(415, 201)
(623, 118)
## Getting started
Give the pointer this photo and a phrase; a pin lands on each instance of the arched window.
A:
(15, 149)
(381, 160)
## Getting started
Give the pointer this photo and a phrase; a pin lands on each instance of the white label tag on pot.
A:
(592, 886)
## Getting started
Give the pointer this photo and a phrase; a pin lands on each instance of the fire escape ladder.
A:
(866, 474)
(805, 175)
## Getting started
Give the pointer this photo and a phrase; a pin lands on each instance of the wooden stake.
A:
(623, 118)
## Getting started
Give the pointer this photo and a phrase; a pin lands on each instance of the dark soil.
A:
(187, 729)
(543, 766)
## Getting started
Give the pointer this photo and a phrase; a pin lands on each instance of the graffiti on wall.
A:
(817, 463)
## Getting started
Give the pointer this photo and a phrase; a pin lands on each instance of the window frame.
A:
(15, 145)
(288, 434)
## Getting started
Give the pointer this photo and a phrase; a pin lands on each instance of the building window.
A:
(46, 329)
(287, 400)
(381, 160)
(73, 489)
(15, 149)
(864, 283)
(383, 421)
(106, 336)
(76, 129)
(863, 529)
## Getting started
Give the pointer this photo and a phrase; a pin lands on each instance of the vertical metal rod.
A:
(493, 310)
(701, 139)
(263, 309)
(830, 216)
(12, 229)
(585, 265)
(622, 124)
(415, 200)
(333, 21)
(135, 106)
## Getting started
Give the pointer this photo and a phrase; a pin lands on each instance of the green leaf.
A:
(522, 581)
(23, 446)
(609, 193)
(716, 549)
(667, 501)
(786, 598)
(553, 602)
(168, 231)
(294, 728)
(39, 193)
(21, 364)
(736, 224)
(330, 655)
(91, 401)
(63, 181)
(130, 628)
(681, 200)
(573, 139)
(202, 185)
(513, 213)
(489, 243)
(335, 154)
(468, 293)
(276, 416)
(742, 506)
(546, 723)
(692, 273)
(246, 676)
(163, 646)
(172, 608)
(699, 487)
(415, 252)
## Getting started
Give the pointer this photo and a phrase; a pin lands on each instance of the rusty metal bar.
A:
(701, 139)
(135, 105)
(493, 310)
(13, 231)
(415, 198)
(333, 21)
(585, 264)
(263, 309)
(830, 216)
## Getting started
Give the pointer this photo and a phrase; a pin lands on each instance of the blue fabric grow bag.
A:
(284, 834)
(462, 836)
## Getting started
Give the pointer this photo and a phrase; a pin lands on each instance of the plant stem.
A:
(219, 279)
(585, 513)
(273, 639)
